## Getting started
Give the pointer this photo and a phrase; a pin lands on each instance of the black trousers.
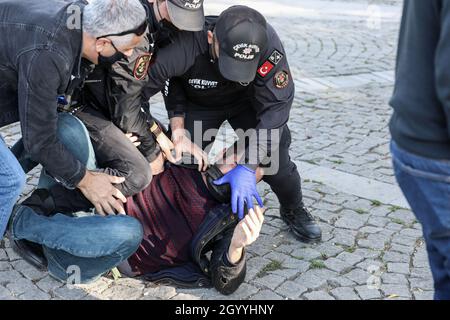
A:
(115, 152)
(286, 183)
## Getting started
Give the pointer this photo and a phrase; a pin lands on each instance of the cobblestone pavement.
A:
(342, 54)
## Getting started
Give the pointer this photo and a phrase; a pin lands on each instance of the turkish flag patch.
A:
(265, 69)
(141, 66)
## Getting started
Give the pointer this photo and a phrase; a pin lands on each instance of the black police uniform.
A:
(198, 92)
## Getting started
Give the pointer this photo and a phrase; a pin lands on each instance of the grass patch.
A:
(398, 221)
(317, 264)
(350, 249)
(270, 267)
(310, 100)
(311, 162)
(337, 161)
(360, 211)
(376, 203)
(395, 208)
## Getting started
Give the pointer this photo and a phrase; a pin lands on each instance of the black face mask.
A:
(109, 61)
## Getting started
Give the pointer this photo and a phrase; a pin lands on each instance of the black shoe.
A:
(41, 203)
(302, 224)
(30, 252)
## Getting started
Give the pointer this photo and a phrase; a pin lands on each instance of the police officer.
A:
(237, 70)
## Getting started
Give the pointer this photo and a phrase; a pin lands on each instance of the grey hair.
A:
(102, 17)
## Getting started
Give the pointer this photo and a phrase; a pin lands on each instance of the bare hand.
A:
(246, 233)
(99, 189)
(184, 145)
(134, 139)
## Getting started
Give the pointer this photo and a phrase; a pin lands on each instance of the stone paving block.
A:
(20, 286)
(69, 293)
(398, 290)
(307, 254)
(5, 294)
(34, 294)
(120, 292)
(291, 290)
(350, 258)
(423, 295)
(344, 293)
(160, 292)
(271, 281)
(28, 270)
(5, 266)
(318, 295)
(351, 220)
(183, 296)
(12, 255)
(368, 293)
(9, 276)
(359, 276)
(266, 295)
(315, 278)
(344, 237)
(3, 255)
(394, 278)
(423, 284)
(398, 267)
(337, 265)
(48, 284)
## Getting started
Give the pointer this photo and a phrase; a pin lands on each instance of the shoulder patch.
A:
(276, 57)
(265, 69)
(141, 66)
(281, 79)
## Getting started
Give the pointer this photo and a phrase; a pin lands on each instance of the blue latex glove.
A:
(242, 181)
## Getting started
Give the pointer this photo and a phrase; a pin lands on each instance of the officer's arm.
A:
(172, 61)
(274, 92)
(127, 80)
(40, 80)
(175, 98)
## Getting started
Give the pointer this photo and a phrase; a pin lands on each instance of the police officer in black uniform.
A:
(237, 70)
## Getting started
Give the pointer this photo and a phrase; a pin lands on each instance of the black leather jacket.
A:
(38, 54)
(214, 235)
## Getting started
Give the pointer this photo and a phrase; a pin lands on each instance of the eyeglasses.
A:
(139, 31)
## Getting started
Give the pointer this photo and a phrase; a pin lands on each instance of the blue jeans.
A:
(12, 182)
(79, 248)
(426, 185)
(74, 136)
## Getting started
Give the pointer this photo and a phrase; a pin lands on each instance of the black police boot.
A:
(41, 203)
(302, 224)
